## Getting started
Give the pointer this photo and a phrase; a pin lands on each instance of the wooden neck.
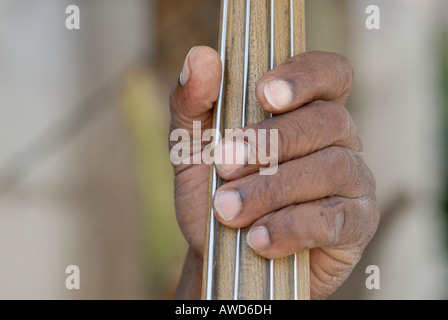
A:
(256, 35)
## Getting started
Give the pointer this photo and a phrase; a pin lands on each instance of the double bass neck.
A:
(256, 36)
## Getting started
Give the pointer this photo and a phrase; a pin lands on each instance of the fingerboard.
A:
(256, 36)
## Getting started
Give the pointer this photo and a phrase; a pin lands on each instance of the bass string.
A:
(243, 124)
(211, 238)
(296, 294)
(223, 51)
(272, 53)
(271, 66)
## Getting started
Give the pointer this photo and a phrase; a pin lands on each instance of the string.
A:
(211, 239)
(210, 258)
(271, 262)
(243, 124)
(296, 296)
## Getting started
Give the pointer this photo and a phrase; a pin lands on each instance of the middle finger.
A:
(301, 132)
(329, 172)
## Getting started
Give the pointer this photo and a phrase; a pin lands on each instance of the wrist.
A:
(190, 283)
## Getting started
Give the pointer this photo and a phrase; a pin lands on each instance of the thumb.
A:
(197, 90)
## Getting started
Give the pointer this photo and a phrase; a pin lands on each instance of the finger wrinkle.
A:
(345, 162)
(335, 217)
(348, 262)
(323, 157)
(190, 181)
(322, 124)
(324, 287)
(181, 120)
(338, 270)
(350, 171)
(191, 189)
(347, 136)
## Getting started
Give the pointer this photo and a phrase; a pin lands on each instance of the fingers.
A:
(331, 222)
(301, 132)
(330, 172)
(197, 89)
(305, 78)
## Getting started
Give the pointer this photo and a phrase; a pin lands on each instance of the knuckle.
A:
(343, 67)
(340, 62)
(295, 128)
(358, 145)
(338, 125)
(346, 172)
(369, 179)
(322, 225)
(338, 167)
(346, 133)
(278, 189)
(333, 211)
(337, 69)
(364, 220)
(365, 181)
(342, 72)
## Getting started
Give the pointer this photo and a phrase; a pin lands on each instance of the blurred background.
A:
(85, 176)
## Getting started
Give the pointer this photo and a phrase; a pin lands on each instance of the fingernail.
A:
(278, 94)
(232, 156)
(258, 238)
(185, 74)
(228, 204)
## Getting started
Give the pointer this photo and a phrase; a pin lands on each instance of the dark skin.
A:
(322, 197)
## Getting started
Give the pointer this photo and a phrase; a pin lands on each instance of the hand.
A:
(322, 197)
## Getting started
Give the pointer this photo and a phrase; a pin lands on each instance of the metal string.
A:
(208, 294)
(296, 296)
(271, 262)
(211, 240)
(243, 124)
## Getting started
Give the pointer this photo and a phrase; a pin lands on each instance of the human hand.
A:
(322, 197)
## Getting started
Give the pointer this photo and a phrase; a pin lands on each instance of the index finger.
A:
(305, 78)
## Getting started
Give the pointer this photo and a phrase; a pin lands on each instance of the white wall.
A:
(397, 111)
(72, 199)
